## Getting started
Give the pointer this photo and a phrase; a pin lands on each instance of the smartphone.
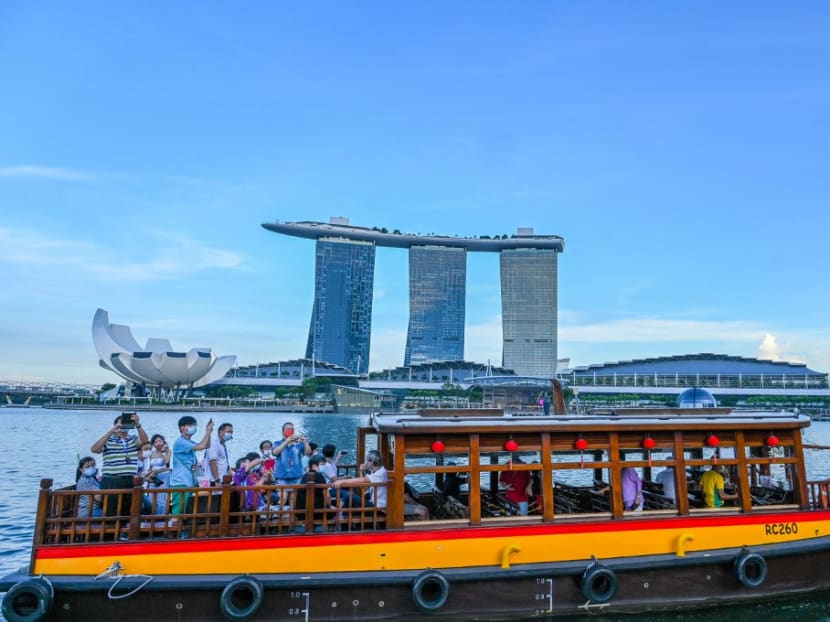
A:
(127, 421)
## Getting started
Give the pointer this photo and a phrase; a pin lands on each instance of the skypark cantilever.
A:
(524, 239)
(344, 273)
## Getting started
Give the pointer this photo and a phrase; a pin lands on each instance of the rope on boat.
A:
(113, 572)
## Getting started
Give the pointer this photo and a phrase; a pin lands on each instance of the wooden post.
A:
(615, 493)
(800, 486)
(225, 505)
(743, 473)
(40, 520)
(135, 508)
(681, 489)
(558, 398)
(474, 481)
(547, 479)
(308, 518)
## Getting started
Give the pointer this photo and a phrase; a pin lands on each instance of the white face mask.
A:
(266, 452)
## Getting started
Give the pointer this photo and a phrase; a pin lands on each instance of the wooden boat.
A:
(478, 556)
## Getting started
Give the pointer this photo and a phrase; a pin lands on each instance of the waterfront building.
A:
(156, 366)
(437, 292)
(341, 317)
(529, 311)
(341, 334)
(718, 372)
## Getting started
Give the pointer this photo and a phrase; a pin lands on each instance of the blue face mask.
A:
(90, 471)
(228, 437)
(192, 429)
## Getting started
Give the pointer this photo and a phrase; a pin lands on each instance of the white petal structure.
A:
(157, 364)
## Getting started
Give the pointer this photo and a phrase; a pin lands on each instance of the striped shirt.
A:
(120, 456)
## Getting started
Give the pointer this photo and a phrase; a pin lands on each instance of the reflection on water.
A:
(38, 443)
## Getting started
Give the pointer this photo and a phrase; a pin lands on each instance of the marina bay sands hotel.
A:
(341, 317)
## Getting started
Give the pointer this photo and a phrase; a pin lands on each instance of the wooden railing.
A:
(818, 493)
(221, 511)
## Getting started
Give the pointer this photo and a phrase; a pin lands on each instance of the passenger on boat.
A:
(160, 466)
(146, 473)
(632, 489)
(86, 479)
(160, 458)
(289, 452)
(666, 479)
(518, 485)
(185, 465)
(372, 472)
(411, 508)
(453, 482)
(328, 468)
(249, 472)
(304, 459)
(216, 456)
(120, 462)
(265, 448)
(321, 495)
(712, 483)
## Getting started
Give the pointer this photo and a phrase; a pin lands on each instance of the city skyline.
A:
(680, 151)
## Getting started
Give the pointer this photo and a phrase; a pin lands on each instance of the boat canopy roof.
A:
(459, 421)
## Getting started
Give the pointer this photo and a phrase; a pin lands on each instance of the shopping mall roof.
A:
(704, 363)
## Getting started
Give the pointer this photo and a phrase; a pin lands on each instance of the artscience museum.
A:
(156, 366)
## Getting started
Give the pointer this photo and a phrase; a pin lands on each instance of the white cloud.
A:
(768, 348)
(45, 172)
(170, 256)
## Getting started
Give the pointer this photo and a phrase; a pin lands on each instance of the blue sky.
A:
(681, 149)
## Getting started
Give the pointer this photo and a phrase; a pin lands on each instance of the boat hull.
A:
(699, 579)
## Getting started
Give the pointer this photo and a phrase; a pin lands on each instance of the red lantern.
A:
(581, 444)
(437, 447)
(712, 440)
(649, 444)
(773, 441)
(511, 445)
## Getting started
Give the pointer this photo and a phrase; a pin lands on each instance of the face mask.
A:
(191, 429)
(266, 453)
(90, 471)
(288, 433)
(228, 437)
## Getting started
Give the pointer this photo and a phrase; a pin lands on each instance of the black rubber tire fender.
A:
(430, 591)
(246, 588)
(28, 601)
(599, 583)
(751, 569)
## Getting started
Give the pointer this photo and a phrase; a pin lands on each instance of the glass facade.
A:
(341, 320)
(437, 293)
(529, 311)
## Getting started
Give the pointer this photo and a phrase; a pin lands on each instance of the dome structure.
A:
(696, 398)
(156, 364)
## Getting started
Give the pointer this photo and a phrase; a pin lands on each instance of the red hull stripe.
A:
(464, 533)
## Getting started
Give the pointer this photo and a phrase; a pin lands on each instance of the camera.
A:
(127, 421)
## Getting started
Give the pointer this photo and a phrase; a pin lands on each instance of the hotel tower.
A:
(340, 330)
